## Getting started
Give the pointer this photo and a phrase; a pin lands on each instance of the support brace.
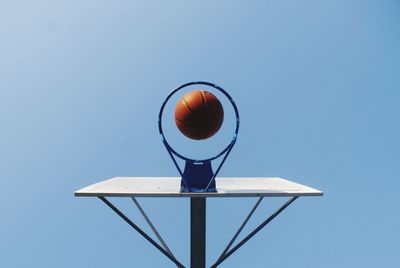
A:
(240, 228)
(157, 234)
(141, 232)
(198, 206)
(249, 236)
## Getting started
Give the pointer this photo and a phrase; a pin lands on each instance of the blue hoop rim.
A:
(169, 147)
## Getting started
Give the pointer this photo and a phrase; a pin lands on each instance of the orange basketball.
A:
(199, 114)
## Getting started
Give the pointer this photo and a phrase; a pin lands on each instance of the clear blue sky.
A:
(318, 88)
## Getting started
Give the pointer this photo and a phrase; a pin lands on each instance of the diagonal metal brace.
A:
(249, 236)
(141, 232)
(157, 234)
(241, 228)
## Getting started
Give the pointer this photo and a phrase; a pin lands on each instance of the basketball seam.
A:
(194, 125)
(203, 98)
(186, 105)
(205, 127)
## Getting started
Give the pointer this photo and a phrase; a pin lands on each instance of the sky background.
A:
(317, 84)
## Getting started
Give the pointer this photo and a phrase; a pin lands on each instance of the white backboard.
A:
(170, 187)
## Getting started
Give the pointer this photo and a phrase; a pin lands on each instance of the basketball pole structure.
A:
(161, 187)
(197, 181)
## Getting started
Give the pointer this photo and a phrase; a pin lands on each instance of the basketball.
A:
(199, 114)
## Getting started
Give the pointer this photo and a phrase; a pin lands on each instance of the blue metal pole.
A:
(197, 232)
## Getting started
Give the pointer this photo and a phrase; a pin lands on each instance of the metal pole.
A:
(197, 232)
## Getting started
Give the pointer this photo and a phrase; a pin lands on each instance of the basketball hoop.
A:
(198, 175)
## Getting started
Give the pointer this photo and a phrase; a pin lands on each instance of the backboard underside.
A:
(170, 187)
